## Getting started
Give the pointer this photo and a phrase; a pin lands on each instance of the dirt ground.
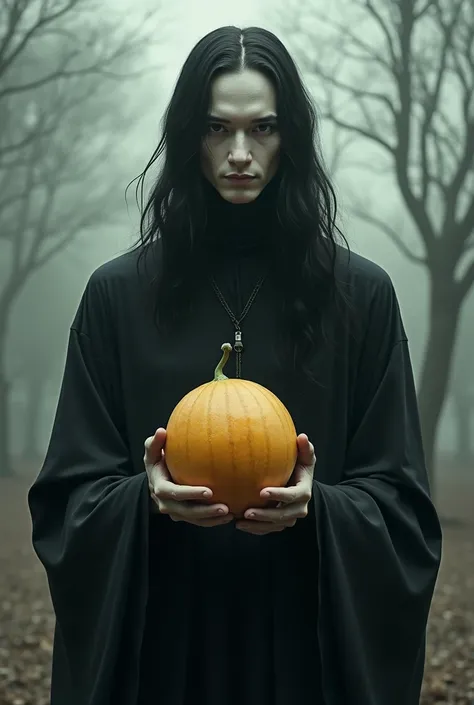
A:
(26, 620)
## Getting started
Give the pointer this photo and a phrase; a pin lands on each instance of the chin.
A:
(240, 195)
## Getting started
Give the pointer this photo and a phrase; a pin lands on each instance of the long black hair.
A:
(175, 212)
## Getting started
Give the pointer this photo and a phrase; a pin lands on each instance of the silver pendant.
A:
(238, 345)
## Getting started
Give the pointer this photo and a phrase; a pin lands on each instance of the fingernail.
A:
(251, 515)
(221, 511)
(206, 493)
(266, 494)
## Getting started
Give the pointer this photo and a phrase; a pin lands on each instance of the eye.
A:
(215, 128)
(266, 128)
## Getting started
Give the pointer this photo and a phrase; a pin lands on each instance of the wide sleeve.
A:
(89, 513)
(379, 536)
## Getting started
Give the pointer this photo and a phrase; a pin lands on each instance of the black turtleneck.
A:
(238, 247)
(241, 228)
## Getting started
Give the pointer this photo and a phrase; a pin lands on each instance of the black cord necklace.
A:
(238, 342)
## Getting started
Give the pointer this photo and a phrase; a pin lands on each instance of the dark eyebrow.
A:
(266, 118)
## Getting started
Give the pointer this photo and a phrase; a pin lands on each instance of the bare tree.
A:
(399, 75)
(59, 174)
(43, 41)
(62, 187)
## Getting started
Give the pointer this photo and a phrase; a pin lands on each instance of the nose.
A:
(239, 153)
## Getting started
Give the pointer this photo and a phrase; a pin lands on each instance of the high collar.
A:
(241, 228)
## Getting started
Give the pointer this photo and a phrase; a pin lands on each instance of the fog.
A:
(111, 136)
(176, 29)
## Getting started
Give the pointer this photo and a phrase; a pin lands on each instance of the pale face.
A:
(242, 137)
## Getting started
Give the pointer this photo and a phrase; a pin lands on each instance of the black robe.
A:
(147, 610)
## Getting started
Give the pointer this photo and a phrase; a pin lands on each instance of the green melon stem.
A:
(219, 371)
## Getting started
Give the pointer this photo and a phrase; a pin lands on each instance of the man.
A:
(161, 597)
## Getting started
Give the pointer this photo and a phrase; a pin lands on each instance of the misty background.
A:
(83, 87)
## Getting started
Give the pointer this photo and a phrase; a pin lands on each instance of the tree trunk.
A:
(31, 450)
(462, 407)
(444, 313)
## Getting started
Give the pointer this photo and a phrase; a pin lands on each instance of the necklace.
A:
(238, 342)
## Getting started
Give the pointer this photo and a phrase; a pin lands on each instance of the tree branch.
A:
(25, 142)
(7, 203)
(364, 215)
(449, 139)
(18, 10)
(452, 29)
(441, 164)
(46, 256)
(359, 131)
(431, 142)
(339, 147)
(466, 225)
(346, 33)
(358, 93)
(385, 31)
(91, 217)
(431, 104)
(132, 41)
(423, 9)
(465, 284)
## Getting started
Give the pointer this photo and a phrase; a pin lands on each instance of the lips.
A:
(240, 177)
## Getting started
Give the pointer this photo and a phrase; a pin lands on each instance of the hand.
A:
(293, 500)
(180, 502)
